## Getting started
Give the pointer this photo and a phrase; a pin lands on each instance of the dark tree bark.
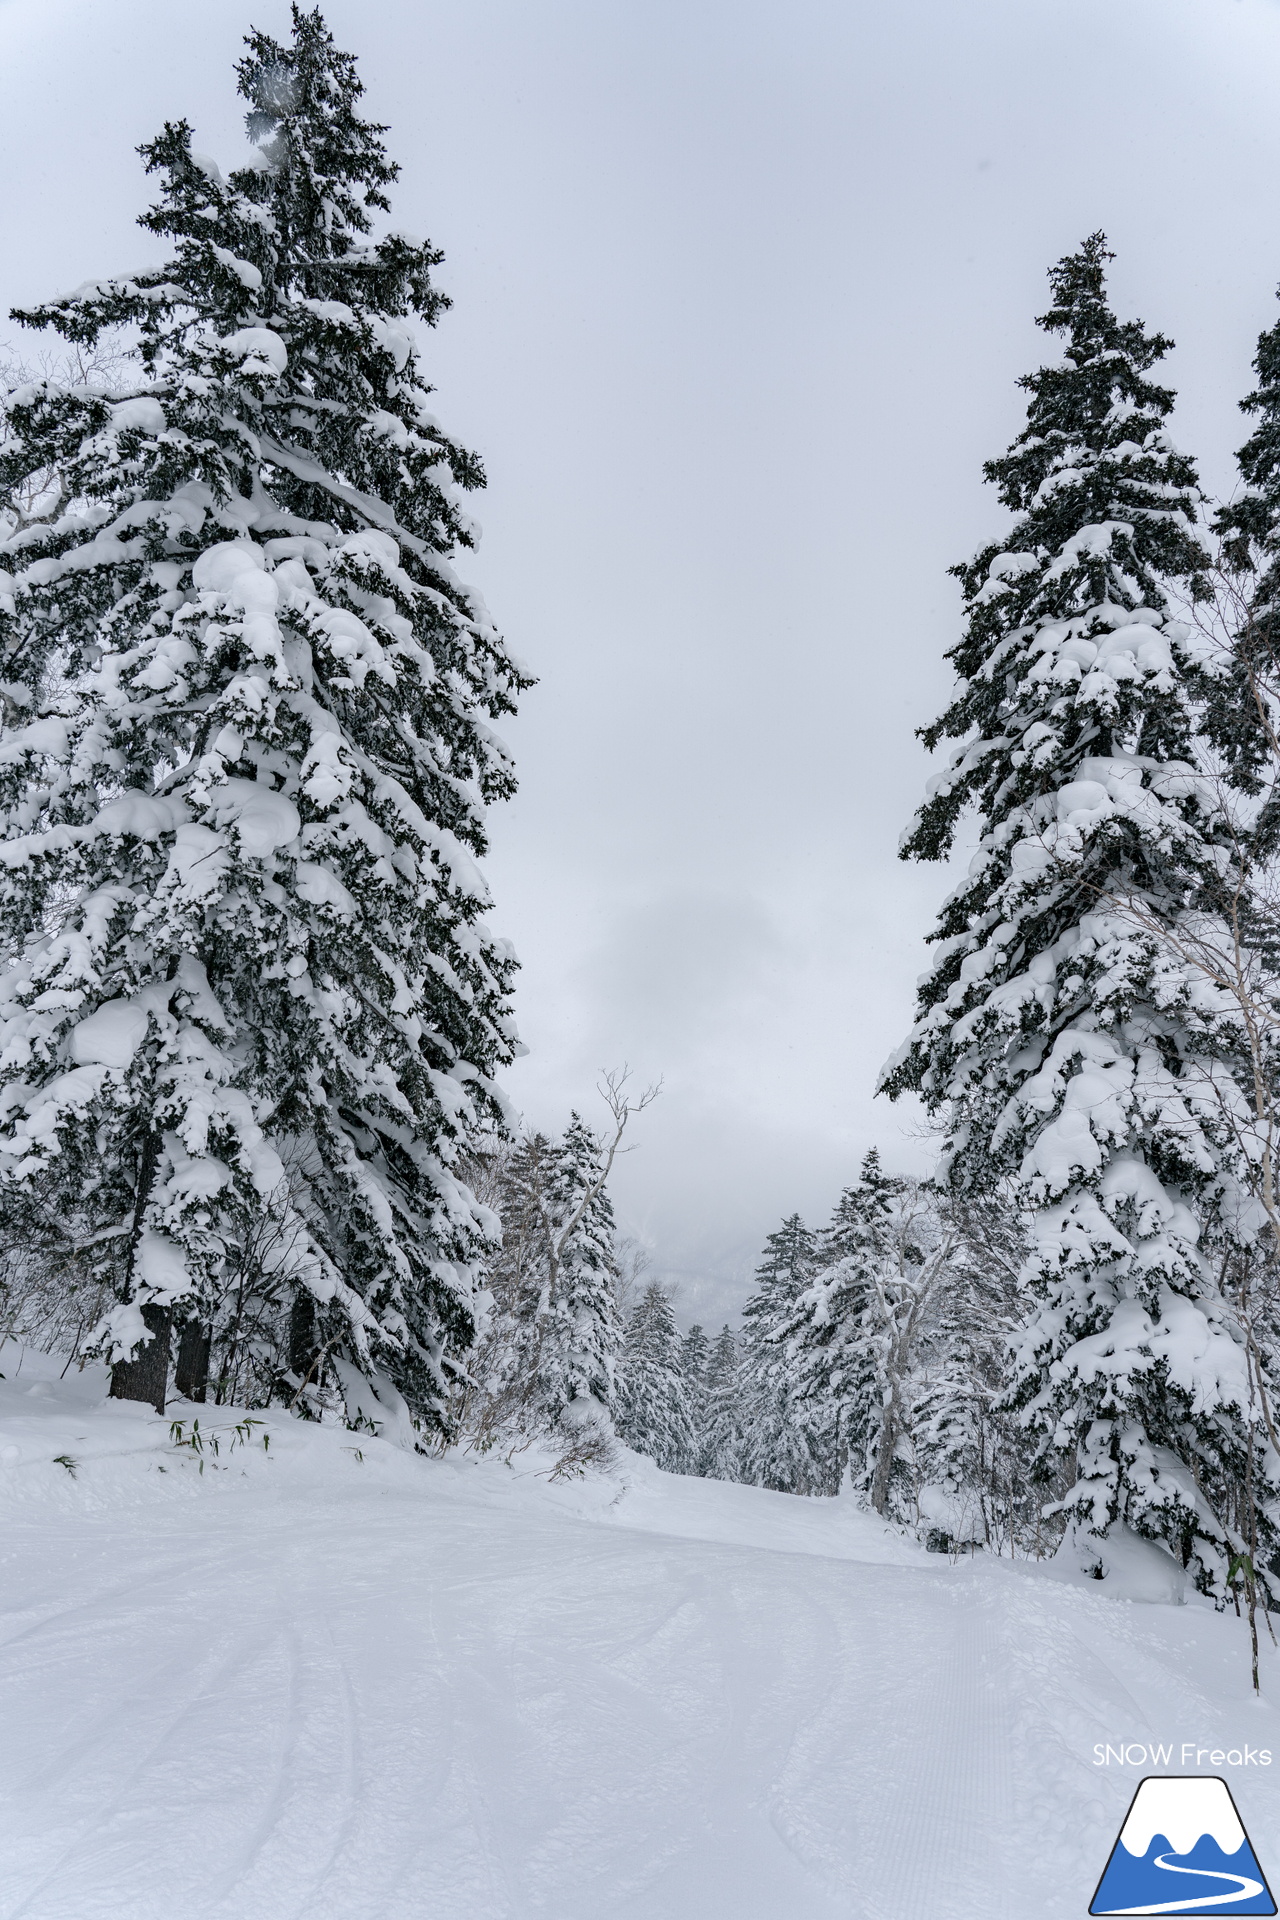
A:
(884, 1458)
(304, 1342)
(146, 1376)
(191, 1375)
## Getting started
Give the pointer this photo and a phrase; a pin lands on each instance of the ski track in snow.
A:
(396, 1688)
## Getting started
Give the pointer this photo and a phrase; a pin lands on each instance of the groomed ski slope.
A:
(337, 1681)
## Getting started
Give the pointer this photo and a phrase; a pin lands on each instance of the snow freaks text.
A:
(1189, 1754)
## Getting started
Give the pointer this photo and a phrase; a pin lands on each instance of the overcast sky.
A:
(741, 294)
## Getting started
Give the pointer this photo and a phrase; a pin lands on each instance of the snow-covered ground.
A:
(331, 1679)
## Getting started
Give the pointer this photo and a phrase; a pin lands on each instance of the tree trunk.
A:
(146, 1376)
(191, 1375)
(304, 1345)
(884, 1458)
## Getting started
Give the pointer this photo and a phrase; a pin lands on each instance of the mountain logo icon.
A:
(1183, 1850)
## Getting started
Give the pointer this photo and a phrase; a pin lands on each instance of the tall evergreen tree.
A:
(1243, 715)
(545, 1364)
(1069, 1042)
(653, 1398)
(950, 1431)
(721, 1455)
(246, 759)
(785, 1268)
(695, 1360)
(580, 1331)
(695, 1352)
(971, 1454)
(829, 1338)
(780, 1448)
(519, 1270)
(1250, 523)
(854, 1224)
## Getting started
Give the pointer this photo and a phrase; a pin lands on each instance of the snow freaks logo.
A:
(1183, 1850)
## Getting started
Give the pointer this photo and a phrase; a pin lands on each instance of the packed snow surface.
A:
(332, 1679)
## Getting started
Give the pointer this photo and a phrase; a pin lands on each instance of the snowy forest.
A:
(255, 1148)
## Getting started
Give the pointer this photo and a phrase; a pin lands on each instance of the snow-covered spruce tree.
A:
(787, 1265)
(1249, 526)
(1060, 1029)
(827, 1338)
(948, 1460)
(695, 1359)
(781, 1449)
(544, 1367)
(245, 762)
(1243, 722)
(863, 1340)
(972, 1458)
(653, 1397)
(578, 1331)
(498, 1398)
(720, 1455)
